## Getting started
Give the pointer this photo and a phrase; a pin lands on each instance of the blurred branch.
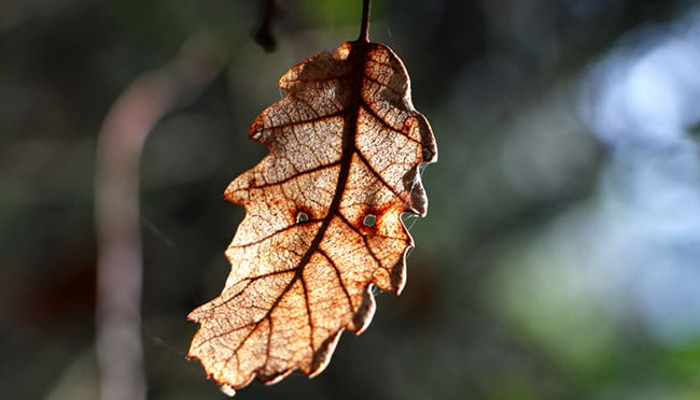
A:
(269, 14)
(119, 264)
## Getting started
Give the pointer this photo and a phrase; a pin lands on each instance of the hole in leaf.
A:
(369, 220)
(302, 217)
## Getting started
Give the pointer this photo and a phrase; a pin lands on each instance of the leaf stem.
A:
(364, 29)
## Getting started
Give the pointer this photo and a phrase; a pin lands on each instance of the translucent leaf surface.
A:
(323, 217)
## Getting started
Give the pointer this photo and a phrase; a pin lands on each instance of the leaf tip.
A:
(322, 357)
(228, 390)
(257, 131)
(272, 378)
(365, 312)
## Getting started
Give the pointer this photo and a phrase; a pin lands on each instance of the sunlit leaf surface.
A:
(323, 217)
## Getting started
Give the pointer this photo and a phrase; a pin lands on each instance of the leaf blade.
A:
(345, 143)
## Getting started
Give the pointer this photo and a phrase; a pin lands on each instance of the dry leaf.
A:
(323, 217)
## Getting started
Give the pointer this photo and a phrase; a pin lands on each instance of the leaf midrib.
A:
(357, 57)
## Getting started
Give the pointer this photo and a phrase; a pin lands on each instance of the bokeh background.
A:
(561, 255)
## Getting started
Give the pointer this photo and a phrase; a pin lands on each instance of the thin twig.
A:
(119, 266)
(264, 35)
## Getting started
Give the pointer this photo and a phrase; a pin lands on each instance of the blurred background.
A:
(561, 255)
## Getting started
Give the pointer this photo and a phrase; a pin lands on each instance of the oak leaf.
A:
(323, 217)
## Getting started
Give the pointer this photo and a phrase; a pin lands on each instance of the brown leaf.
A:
(323, 217)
